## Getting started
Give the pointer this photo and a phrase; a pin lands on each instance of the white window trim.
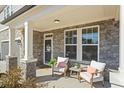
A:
(79, 41)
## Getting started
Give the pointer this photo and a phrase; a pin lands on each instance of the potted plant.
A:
(76, 65)
(52, 62)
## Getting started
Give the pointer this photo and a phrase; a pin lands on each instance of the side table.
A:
(77, 70)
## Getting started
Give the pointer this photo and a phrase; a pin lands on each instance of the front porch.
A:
(42, 39)
(44, 75)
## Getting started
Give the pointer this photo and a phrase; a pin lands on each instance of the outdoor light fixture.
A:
(56, 21)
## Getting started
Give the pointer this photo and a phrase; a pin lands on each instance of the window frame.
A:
(68, 30)
(79, 43)
(93, 44)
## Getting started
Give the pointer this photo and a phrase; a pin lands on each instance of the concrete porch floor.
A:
(58, 81)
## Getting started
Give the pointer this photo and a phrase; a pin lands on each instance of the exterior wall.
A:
(109, 42)
(4, 35)
(58, 42)
(38, 46)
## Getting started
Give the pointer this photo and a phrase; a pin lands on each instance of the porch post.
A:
(121, 62)
(11, 59)
(11, 41)
(28, 64)
(28, 40)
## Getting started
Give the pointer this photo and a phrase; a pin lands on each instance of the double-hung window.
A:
(7, 11)
(82, 43)
(71, 44)
(90, 43)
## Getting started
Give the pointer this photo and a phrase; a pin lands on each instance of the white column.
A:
(11, 41)
(79, 43)
(121, 61)
(28, 40)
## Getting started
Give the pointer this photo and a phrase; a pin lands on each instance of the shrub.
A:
(13, 79)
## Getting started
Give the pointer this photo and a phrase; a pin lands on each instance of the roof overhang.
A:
(43, 16)
(2, 7)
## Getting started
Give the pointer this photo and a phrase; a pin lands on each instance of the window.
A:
(89, 53)
(71, 44)
(82, 43)
(90, 44)
(7, 11)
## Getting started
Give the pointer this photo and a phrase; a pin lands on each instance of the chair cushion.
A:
(91, 69)
(58, 69)
(61, 59)
(61, 64)
(87, 76)
(98, 65)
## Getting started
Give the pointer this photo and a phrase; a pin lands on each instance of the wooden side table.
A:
(77, 70)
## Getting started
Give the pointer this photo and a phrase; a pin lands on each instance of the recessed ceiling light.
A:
(56, 21)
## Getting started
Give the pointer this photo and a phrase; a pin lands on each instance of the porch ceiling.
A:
(43, 16)
(74, 15)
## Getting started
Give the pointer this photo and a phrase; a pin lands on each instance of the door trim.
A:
(47, 38)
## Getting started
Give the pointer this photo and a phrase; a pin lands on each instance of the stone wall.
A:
(38, 47)
(109, 42)
(58, 42)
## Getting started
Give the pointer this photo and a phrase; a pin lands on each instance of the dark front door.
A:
(48, 50)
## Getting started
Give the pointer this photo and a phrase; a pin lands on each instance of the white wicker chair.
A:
(94, 77)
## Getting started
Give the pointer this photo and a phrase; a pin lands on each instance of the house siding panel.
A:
(4, 35)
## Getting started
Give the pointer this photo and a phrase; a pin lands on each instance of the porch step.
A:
(117, 79)
(43, 66)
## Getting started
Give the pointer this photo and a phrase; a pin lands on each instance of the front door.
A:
(47, 50)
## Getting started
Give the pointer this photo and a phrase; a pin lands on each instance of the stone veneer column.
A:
(11, 60)
(28, 64)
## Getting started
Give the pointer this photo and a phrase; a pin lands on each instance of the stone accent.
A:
(38, 47)
(11, 63)
(109, 44)
(28, 68)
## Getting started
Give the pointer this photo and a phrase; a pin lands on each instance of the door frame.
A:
(47, 38)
